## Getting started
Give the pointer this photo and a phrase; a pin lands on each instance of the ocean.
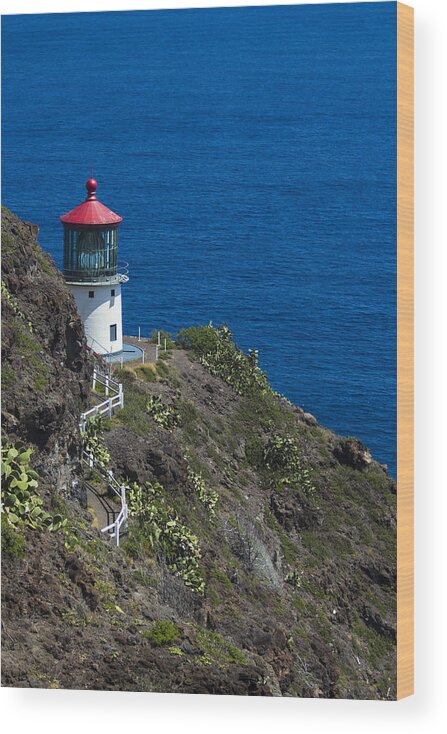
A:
(252, 154)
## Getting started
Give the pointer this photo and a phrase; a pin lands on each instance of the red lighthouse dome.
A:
(91, 212)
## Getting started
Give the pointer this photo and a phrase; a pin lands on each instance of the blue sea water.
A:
(252, 154)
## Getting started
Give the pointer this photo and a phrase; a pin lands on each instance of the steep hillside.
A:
(260, 552)
(45, 371)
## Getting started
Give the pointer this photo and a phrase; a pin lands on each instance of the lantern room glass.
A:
(90, 254)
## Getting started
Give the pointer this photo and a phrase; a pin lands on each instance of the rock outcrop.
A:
(45, 370)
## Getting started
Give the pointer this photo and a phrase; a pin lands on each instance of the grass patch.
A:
(314, 543)
(165, 355)
(162, 632)
(134, 414)
(136, 544)
(221, 577)
(125, 373)
(370, 643)
(44, 264)
(8, 377)
(162, 368)
(13, 542)
(219, 651)
(146, 372)
(189, 420)
(41, 378)
(288, 547)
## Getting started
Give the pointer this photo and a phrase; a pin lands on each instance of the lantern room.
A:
(90, 240)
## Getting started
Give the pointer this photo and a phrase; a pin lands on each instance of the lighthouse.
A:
(92, 271)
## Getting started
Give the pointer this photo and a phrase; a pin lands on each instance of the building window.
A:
(112, 293)
(113, 332)
(91, 294)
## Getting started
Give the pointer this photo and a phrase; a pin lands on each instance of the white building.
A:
(91, 270)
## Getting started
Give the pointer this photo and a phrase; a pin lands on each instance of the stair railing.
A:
(114, 400)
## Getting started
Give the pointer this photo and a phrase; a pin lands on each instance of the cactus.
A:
(20, 505)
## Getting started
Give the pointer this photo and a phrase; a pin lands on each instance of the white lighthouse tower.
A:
(92, 272)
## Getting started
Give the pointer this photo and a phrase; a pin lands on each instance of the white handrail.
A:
(107, 406)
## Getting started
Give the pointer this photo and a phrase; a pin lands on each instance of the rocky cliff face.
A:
(293, 589)
(45, 371)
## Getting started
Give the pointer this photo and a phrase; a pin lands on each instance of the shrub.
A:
(208, 497)
(219, 651)
(215, 350)
(166, 533)
(92, 440)
(162, 632)
(165, 415)
(293, 578)
(163, 335)
(281, 454)
(13, 543)
(197, 339)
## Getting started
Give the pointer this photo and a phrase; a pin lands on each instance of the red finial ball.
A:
(91, 186)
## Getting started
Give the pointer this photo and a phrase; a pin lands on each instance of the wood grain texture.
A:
(405, 352)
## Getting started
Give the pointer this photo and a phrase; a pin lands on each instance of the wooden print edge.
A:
(405, 351)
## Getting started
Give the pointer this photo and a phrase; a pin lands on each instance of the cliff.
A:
(45, 371)
(260, 554)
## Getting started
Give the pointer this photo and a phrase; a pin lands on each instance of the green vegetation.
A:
(165, 356)
(20, 506)
(281, 454)
(162, 632)
(167, 533)
(8, 376)
(147, 372)
(189, 420)
(163, 335)
(317, 568)
(92, 441)
(13, 542)
(44, 264)
(371, 643)
(208, 497)
(221, 577)
(215, 350)
(293, 578)
(41, 378)
(175, 650)
(134, 414)
(162, 367)
(165, 415)
(126, 371)
(219, 651)
(13, 304)
(137, 543)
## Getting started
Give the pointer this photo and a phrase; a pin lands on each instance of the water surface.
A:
(251, 152)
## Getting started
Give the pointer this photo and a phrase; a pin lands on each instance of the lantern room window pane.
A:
(90, 254)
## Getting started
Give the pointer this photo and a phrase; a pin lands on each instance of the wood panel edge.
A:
(405, 351)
